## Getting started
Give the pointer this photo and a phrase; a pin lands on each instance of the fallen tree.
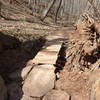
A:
(84, 45)
(82, 65)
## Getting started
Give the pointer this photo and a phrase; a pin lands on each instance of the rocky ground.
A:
(59, 64)
(29, 51)
(40, 61)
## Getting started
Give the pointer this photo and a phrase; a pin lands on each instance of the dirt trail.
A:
(49, 53)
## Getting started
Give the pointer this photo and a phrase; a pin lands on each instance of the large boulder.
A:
(39, 81)
(3, 90)
(20, 74)
(56, 95)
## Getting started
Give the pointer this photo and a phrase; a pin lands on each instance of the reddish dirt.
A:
(77, 77)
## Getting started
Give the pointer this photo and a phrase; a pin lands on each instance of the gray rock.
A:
(56, 95)
(40, 80)
(20, 74)
(3, 90)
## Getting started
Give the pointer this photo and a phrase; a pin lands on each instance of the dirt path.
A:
(49, 53)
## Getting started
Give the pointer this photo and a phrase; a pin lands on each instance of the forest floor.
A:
(27, 45)
(44, 42)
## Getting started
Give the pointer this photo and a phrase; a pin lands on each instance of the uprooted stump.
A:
(84, 46)
(82, 63)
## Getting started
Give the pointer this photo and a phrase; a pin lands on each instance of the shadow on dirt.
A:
(14, 55)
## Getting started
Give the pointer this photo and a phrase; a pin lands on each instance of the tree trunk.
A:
(29, 2)
(58, 10)
(46, 11)
(97, 13)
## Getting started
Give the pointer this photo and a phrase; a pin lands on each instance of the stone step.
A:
(48, 55)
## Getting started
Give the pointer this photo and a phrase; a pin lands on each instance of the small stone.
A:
(56, 95)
